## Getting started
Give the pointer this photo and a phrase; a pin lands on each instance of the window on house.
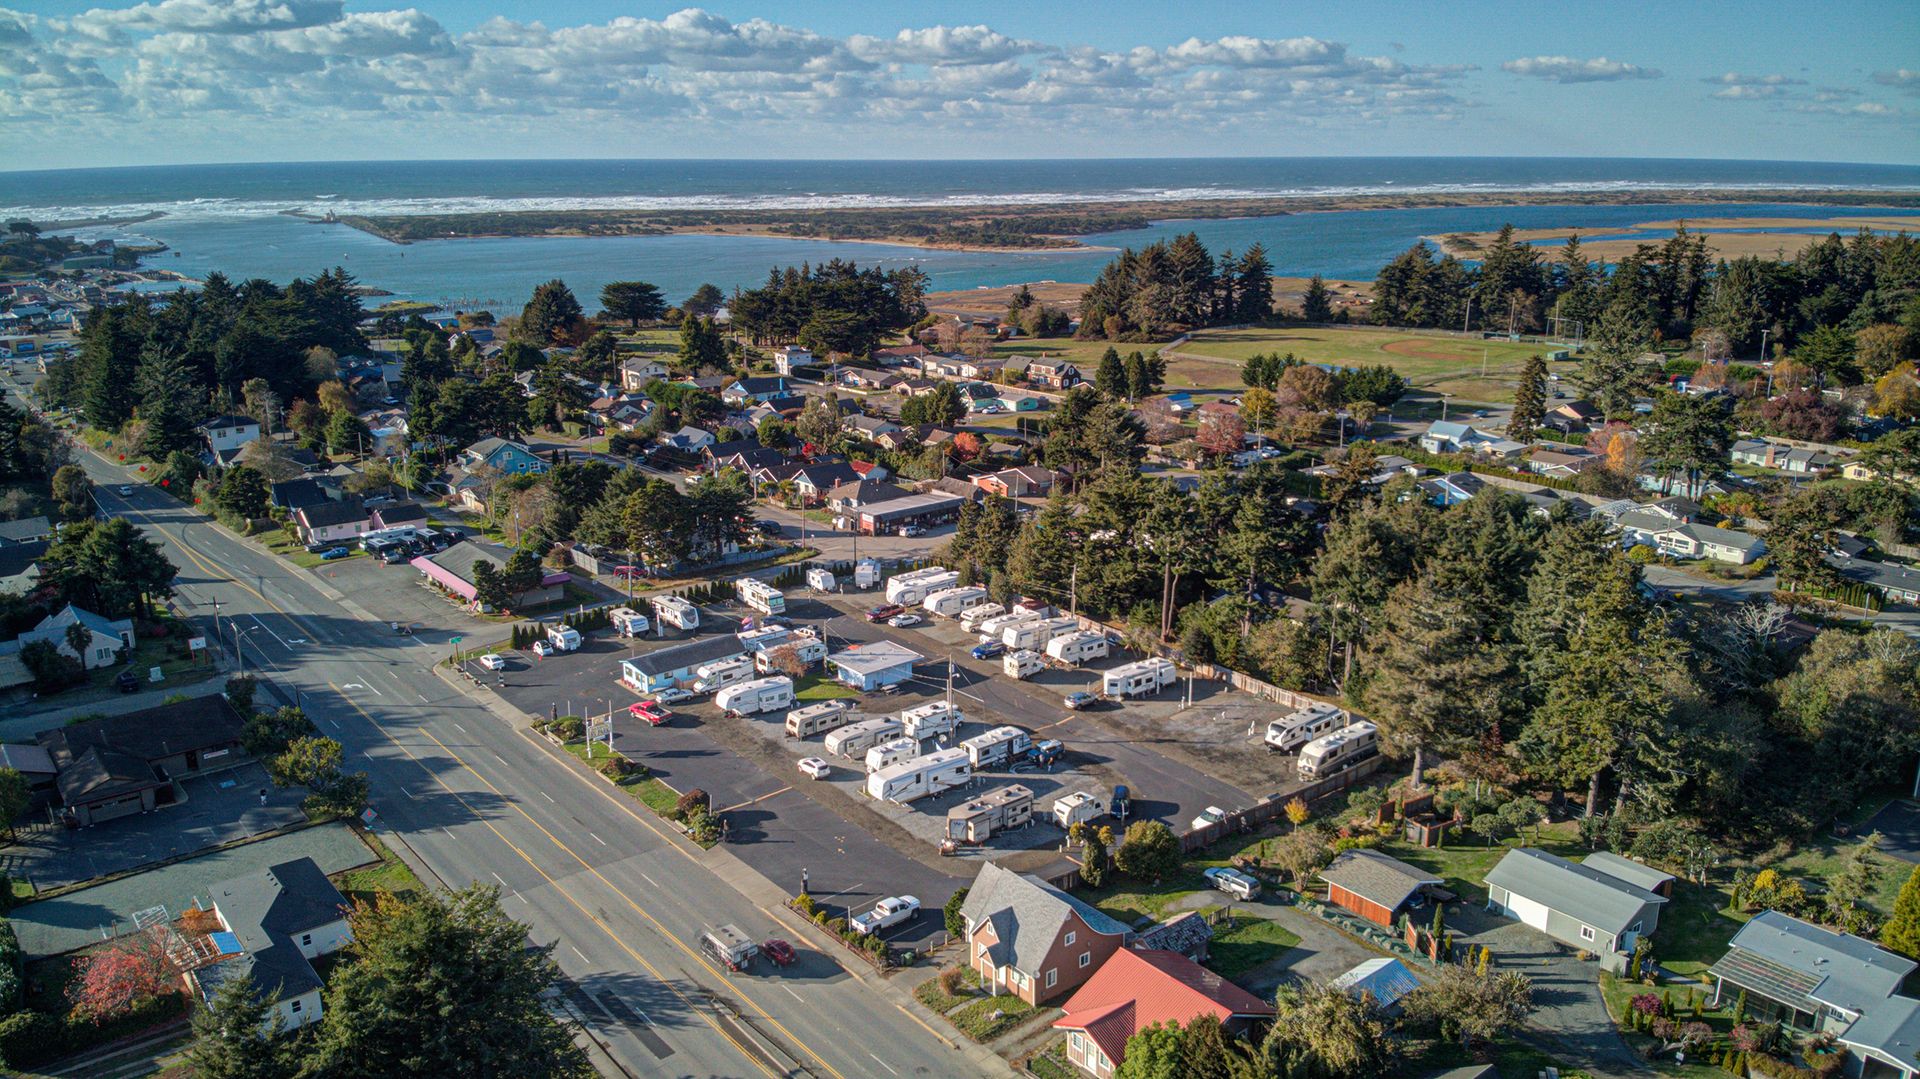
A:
(1085, 958)
(306, 940)
(296, 1006)
(1079, 1042)
(1052, 977)
(1069, 941)
(1586, 932)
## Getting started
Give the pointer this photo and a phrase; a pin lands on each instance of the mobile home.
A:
(1018, 665)
(971, 618)
(997, 746)
(811, 650)
(627, 621)
(1076, 808)
(820, 579)
(949, 602)
(909, 589)
(890, 753)
(675, 611)
(931, 720)
(760, 596)
(819, 718)
(854, 739)
(759, 695)
(1331, 754)
(917, 778)
(1147, 677)
(715, 676)
(1074, 649)
(997, 811)
(1037, 634)
(1291, 732)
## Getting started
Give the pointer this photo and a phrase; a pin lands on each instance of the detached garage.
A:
(1580, 906)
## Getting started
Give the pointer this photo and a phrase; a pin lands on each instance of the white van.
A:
(1021, 664)
(1291, 732)
(891, 753)
(1331, 754)
(759, 695)
(715, 676)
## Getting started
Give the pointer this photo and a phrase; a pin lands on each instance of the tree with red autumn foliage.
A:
(967, 446)
(115, 978)
(1221, 434)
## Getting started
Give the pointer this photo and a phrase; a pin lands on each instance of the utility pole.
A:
(1468, 317)
(1073, 591)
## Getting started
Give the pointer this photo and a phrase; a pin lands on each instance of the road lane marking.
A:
(880, 1062)
(581, 954)
(793, 994)
(651, 881)
(548, 797)
(598, 840)
(461, 729)
(444, 829)
(498, 877)
(269, 629)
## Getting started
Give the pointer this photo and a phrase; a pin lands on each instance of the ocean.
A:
(233, 217)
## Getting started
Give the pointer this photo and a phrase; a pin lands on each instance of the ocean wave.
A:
(217, 207)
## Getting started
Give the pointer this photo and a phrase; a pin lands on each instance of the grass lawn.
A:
(816, 687)
(989, 1017)
(1211, 359)
(1466, 863)
(1082, 354)
(1051, 1063)
(389, 874)
(937, 999)
(1248, 943)
(1129, 901)
(650, 792)
(295, 552)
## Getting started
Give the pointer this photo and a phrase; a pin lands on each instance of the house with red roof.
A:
(1135, 989)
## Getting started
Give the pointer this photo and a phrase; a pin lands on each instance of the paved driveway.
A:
(1569, 1018)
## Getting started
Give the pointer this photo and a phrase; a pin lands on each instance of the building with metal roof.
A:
(1577, 905)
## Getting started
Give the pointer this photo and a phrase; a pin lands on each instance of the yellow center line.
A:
(557, 886)
(756, 801)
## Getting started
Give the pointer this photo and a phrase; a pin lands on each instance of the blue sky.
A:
(218, 80)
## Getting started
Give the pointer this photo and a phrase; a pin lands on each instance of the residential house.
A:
(1023, 482)
(108, 639)
(813, 483)
(954, 485)
(1690, 540)
(678, 664)
(225, 434)
(743, 454)
(900, 354)
(1896, 583)
(1450, 436)
(1584, 907)
(279, 919)
(900, 438)
(871, 666)
(395, 514)
(35, 765)
(20, 567)
(129, 763)
(869, 427)
(688, 440)
(1572, 417)
(453, 571)
(1025, 937)
(790, 358)
(1815, 981)
(1136, 989)
(1762, 453)
(1387, 468)
(1561, 463)
(637, 372)
(502, 456)
(325, 522)
(914, 387)
(1377, 887)
(849, 497)
(1638, 874)
(745, 391)
(1453, 488)
(1053, 374)
(25, 530)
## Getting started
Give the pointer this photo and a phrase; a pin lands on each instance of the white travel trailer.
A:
(931, 720)
(819, 718)
(995, 811)
(971, 618)
(992, 628)
(1291, 732)
(997, 746)
(720, 674)
(1147, 677)
(759, 640)
(1331, 754)
(820, 579)
(890, 753)
(908, 589)
(760, 596)
(1077, 808)
(627, 621)
(866, 573)
(675, 611)
(949, 602)
(811, 650)
(563, 638)
(759, 695)
(1074, 649)
(1019, 665)
(917, 778)
(853, 740)
(1036, 634)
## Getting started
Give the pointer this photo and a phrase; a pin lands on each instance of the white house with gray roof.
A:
(1815, 980)
(277, 921)
(1585, 907)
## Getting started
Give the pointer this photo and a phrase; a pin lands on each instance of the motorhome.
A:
(866, 573)
(1289, 733)
(971, 618)
(1021, 664)
(992, 628)
(1077, 808)
(820, 579)
(917, 778)
(1331, 754)
(627, 621)
(1036, 634)
(931, 720)
(758, 695)
(949, 602)
(563, 638)
(1074, 649)
(760, 596)
(675, 611)
(891, 752)
(909, 589)
(854, 739)
(997, 746)
(810, 650)
(711, 677)
(1147, 677)
(819, 718)
(396, 534)
(996, 811)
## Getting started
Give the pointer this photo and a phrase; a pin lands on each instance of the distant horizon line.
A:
(1915, 166)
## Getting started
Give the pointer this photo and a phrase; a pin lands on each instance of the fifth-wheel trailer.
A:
(938, 771)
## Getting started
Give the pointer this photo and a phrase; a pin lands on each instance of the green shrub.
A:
(804, 904)
(615, 767)
(570, 727)
(26, 1038)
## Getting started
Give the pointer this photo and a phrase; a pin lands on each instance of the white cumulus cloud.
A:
(1569, 69)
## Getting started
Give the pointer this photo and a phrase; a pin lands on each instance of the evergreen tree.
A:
(1509, 281)
(1316, 305)
(635, 301)
(1578, 303)
(1529, 401)
(1253, 285)
(1437, 682)
(1611, 375)
(705, 300)
(1139, 382)
(1902, 931)
(236, 1036)
(166, 406)
(1111, 376)
(1688, 436)
(939, 406)
(701, 349)
(551, 315)
(1205, 1051)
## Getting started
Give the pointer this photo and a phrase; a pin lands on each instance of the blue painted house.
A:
(867, 667)
(502, 456)
(655, 671)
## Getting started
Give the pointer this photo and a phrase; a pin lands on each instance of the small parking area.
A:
(213, 809)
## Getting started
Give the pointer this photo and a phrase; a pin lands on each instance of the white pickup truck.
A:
(885, 913)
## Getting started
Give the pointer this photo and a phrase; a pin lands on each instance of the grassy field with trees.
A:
(1467, 367)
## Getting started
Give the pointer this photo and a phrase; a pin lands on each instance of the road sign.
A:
(456, 640)
(195, 644)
